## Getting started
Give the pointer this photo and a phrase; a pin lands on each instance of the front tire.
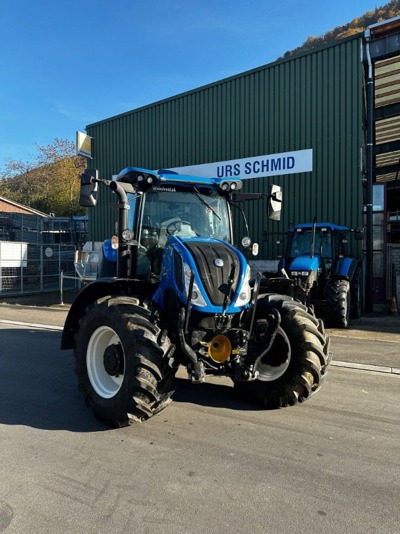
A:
(123, 362)
(296, 365)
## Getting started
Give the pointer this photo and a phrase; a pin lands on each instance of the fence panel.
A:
(30, 268)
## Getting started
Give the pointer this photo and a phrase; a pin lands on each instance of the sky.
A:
(66, 64)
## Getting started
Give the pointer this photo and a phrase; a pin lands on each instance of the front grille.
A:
(214, 278)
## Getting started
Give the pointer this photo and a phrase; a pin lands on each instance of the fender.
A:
(345, 269)
(97, 289)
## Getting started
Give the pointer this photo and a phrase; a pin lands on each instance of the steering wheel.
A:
(173, 226)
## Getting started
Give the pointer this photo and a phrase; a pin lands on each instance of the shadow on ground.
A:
(374, 322)
(53, 298)
(38, 386)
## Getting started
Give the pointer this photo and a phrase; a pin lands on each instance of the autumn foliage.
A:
(359, 24)
(49, 183)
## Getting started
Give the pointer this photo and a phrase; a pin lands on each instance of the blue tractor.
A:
(323, 273)
(173, 290)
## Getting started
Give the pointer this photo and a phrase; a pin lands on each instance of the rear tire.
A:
(338, 298)
(296, 365)
(123, 362)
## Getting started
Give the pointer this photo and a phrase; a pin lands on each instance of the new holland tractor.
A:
(173, 290)
(324, 274)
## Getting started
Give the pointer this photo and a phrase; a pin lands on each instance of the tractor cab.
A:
(315, 246)
(313, 252)
(182, 212)
(313, 249)
(165, 208)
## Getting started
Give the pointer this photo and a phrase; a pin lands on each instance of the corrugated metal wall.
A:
(311, 101)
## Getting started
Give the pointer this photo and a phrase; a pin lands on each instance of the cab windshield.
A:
(183, 213)
(302, 240)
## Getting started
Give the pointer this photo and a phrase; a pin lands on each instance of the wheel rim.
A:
(104, 384)
(277, 360)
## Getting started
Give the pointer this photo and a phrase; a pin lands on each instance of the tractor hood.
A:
(305, 263)
(221, 274)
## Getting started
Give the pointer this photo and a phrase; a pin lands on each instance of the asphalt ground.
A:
(371, 342)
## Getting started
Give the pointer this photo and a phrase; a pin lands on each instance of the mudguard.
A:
(107, 266)
(345, 269)
(101, 287)
(109, 253)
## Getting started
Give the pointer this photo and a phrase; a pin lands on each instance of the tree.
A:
(49, 183)
(357, 25)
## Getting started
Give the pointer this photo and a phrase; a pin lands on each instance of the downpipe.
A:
(369, 181)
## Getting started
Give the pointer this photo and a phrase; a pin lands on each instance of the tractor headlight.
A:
(128, 235)
(196, 297)
(300, 273)
(246, 242)
(245, 291)
(305, 279)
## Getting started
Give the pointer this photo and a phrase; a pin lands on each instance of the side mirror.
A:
(88, 191)
(274, 202)
(359, 233)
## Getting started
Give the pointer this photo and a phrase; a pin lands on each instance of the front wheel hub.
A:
(105, 362)
(113, 360)
(276, 360)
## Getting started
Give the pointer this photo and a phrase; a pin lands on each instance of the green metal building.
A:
(263, 121)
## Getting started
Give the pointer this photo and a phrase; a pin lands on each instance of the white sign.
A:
(255, 167)
(13, 254)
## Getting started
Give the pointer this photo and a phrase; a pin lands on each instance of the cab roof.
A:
(138, 175)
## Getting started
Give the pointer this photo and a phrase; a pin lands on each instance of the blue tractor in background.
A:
(322, 272)
(173, 290)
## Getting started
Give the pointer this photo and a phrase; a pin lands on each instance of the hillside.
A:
(359, 24)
